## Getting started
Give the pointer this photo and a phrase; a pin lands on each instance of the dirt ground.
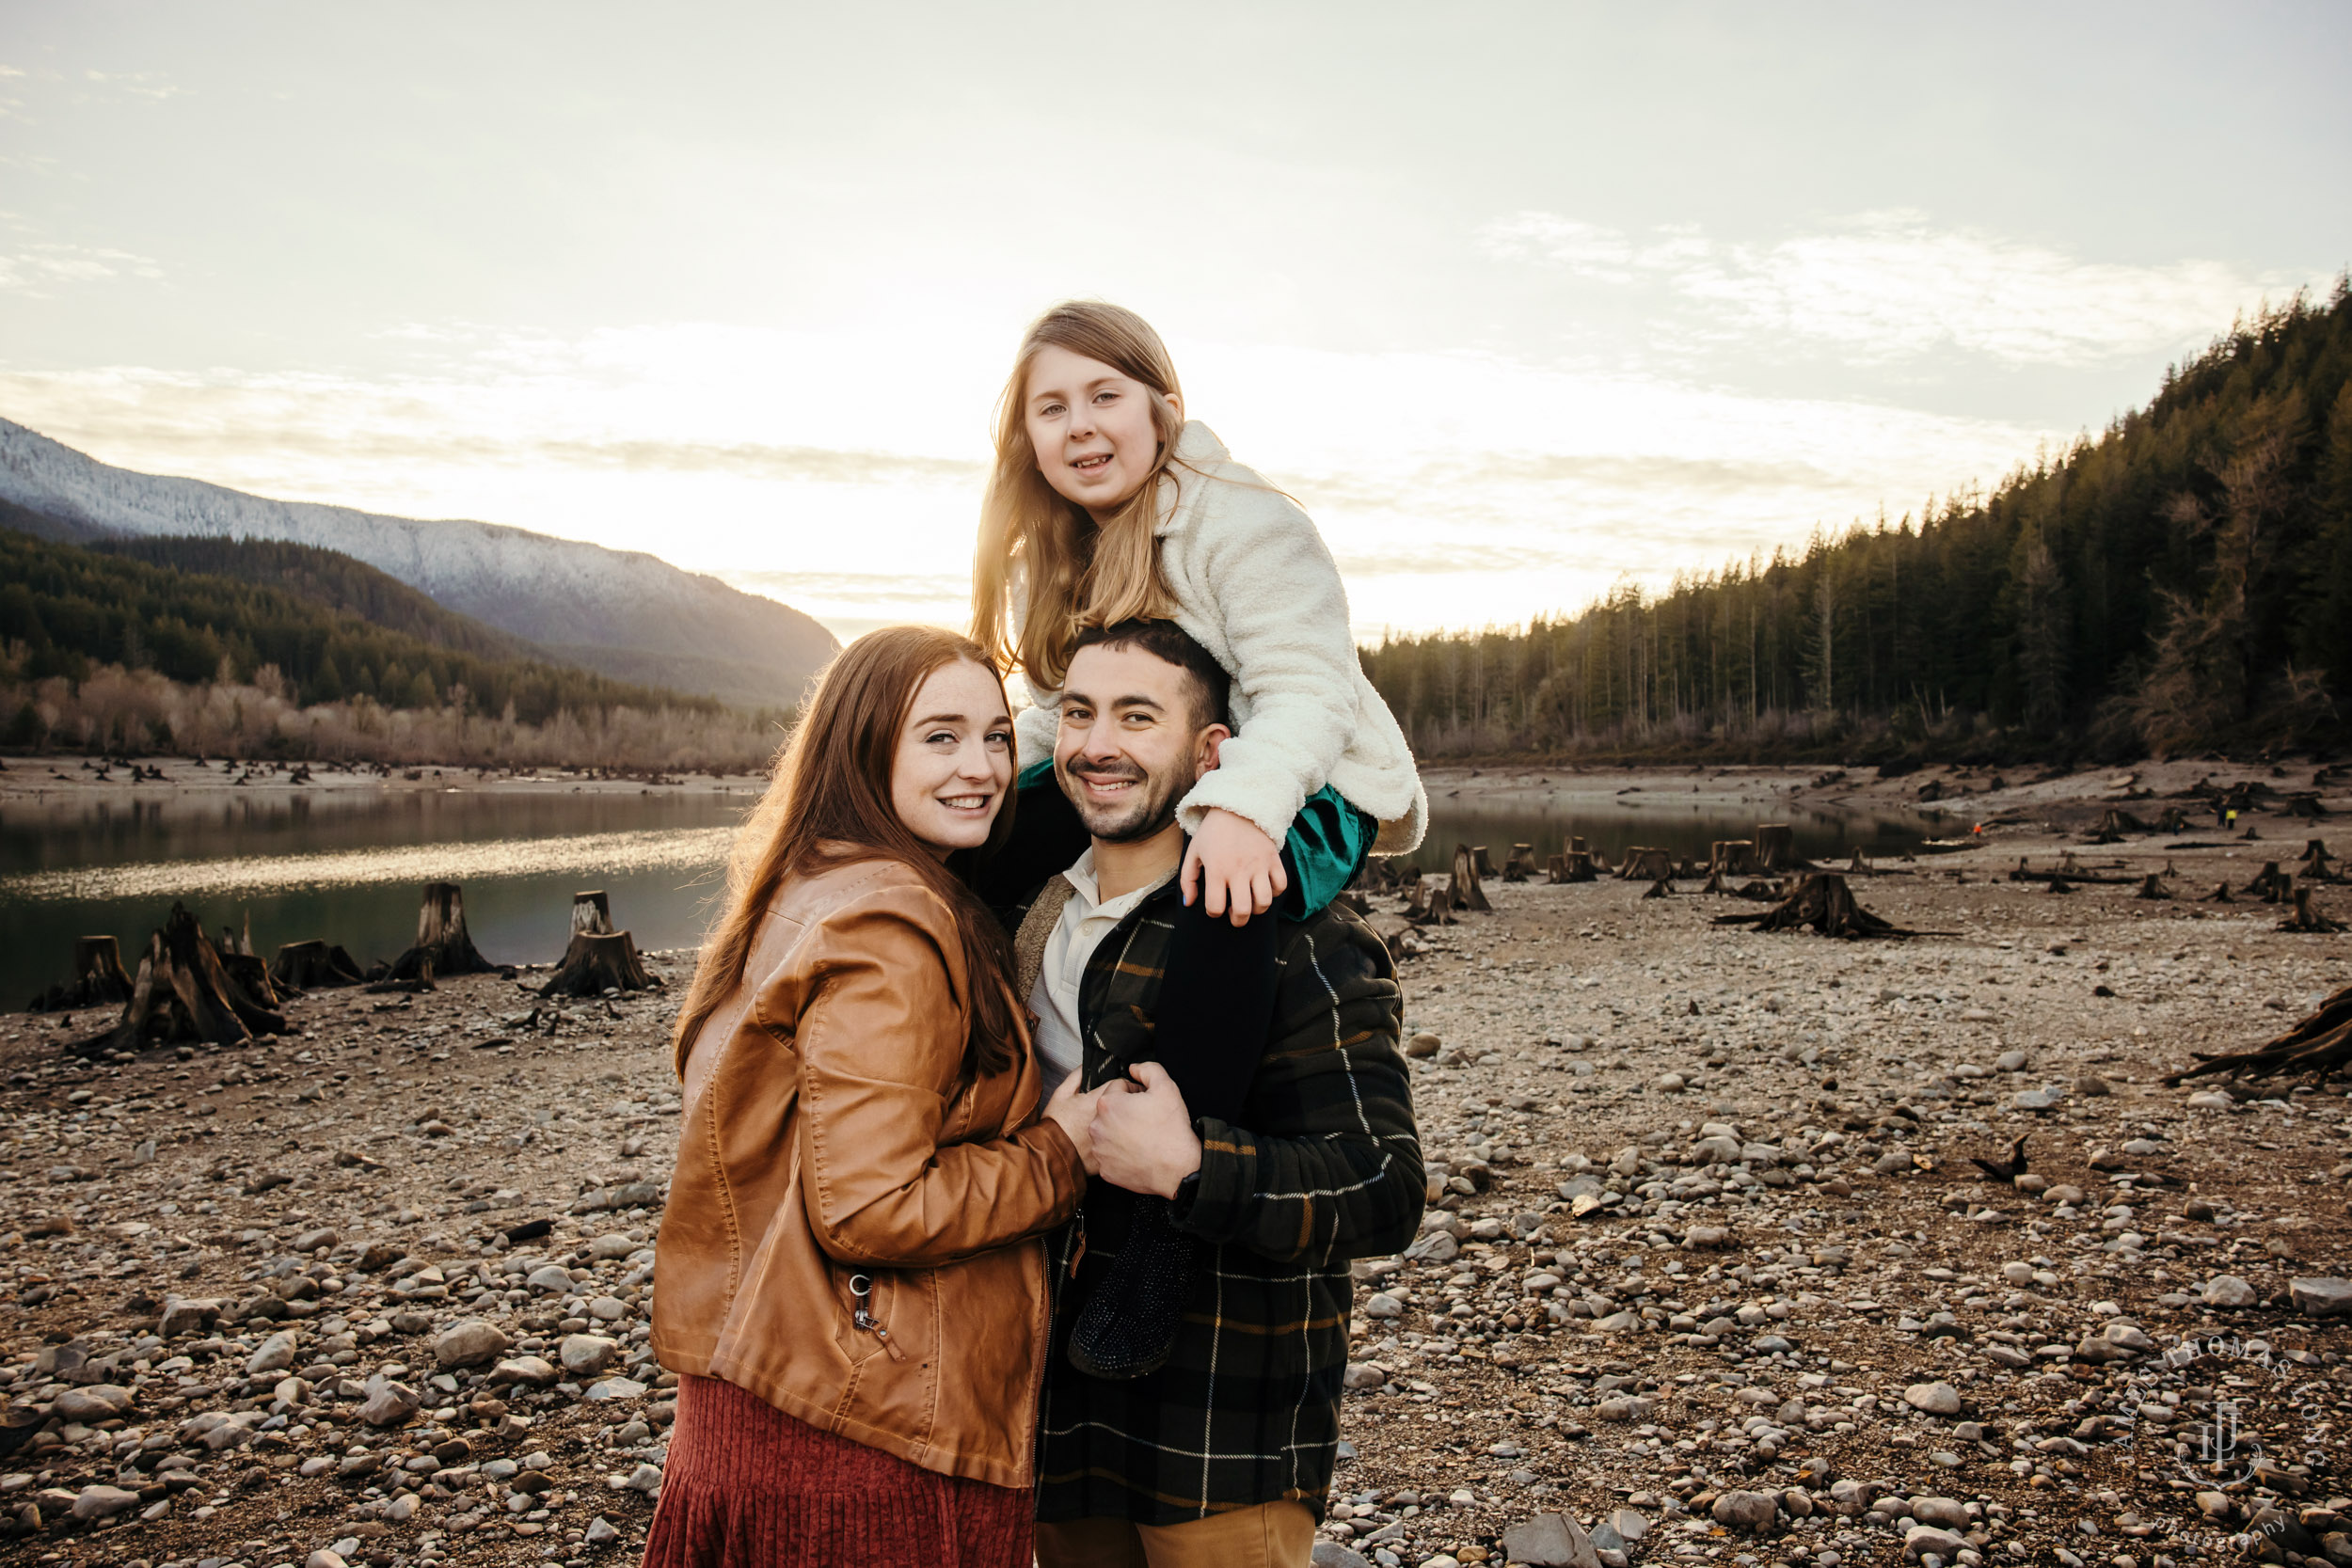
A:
(1710, 1275)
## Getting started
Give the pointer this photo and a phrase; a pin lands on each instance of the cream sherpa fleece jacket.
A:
(1256, 586)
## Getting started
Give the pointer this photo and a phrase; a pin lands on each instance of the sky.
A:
(1521, 301)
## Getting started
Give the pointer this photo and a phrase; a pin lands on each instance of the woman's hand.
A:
(1075, 1114)
(1143, 1136)
(1233, 866)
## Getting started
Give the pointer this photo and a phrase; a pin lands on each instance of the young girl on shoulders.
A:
(1107, 504)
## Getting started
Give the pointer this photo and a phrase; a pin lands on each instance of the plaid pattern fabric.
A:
(1327, 1170)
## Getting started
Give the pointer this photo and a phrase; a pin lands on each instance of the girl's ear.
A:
(1176, 403)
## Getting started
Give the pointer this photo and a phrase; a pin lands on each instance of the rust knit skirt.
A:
(748, 1486)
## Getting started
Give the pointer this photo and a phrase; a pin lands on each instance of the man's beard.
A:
(1149, 808)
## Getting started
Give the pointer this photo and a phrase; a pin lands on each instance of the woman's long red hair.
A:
(828, 802)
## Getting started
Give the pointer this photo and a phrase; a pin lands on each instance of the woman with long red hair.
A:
(851, 1285)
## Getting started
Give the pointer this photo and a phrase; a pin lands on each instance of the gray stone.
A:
(311, 1241)
(2321, 1297)
(610, 1247)
(615, 1389)
(1922, 1540)
(1434, 1247)
(551, 1279)
(1630, 1524)
(1747, 1509)
(1950, 1512)
(1706, 1236)
(608, 1309)
(2228, 1289)
(1549, 1541)
(1424, 1045)
(275, 1355)
(469, 1343)
(96, 1402)
(1383, 1304)
(600, 1532)
(586, 1355)
(326, 1557)
(2035, 1100)
(187, 1315)
(645, 1478)
(1936, 1399)
(1358, 1375)
(103, 1502)
(1331, 1554)
(530, 1370)
(389, 1405)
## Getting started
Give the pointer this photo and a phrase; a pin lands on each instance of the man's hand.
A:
(1076, 1114)
(1143, 1138)
(1231, 864)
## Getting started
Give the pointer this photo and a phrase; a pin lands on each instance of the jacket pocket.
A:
(866, 1297)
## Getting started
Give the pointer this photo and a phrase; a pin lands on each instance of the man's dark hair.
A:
(1212, 688)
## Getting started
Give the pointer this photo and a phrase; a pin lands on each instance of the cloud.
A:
(137, 84)
(38, 270)
(1892, 286)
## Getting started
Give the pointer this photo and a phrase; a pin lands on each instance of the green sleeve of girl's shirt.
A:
(1328, 844)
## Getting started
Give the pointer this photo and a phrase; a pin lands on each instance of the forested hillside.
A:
(66, 611)
(2181, 582)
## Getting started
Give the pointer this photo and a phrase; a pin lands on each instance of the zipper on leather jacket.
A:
(1077, 1241)
(862, 1287)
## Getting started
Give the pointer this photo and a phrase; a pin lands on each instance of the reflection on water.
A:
(348, 865)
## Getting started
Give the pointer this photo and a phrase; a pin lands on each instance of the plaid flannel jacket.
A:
(1326, 1170)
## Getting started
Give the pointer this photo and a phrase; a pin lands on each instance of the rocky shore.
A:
(1709, 1274)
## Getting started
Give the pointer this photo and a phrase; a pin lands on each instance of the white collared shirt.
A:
(1085, 920)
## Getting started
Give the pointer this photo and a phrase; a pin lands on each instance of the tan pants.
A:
(1271, 1535)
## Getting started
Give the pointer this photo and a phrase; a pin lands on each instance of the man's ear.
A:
(1206, 749)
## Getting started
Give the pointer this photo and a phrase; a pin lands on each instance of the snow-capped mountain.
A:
(621, 612)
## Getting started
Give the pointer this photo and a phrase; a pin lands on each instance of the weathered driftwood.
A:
(2306, 918)
(313, 965)
(1763, 890)
(1824, 904)
(443, 949)
(1521, 865)
(2070, 874)
(2317, 1046)
(183, 993)
(599, 962)
(1469, 892)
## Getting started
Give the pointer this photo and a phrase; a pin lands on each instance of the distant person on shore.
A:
(851, 1287)
(1106, 505)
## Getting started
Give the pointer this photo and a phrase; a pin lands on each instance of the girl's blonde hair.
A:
(1073, 572)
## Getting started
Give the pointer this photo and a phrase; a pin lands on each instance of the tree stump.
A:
(442, 948)
(591, 915)
(2270, 884)
(599, 962)
(1736, 856)
(1431, 902)
(2151, 887)
(2058, 884)
(1715, 882)
(99, 976)
(2116, 824)
(1663, 888)
(1521, 863)
(183, 994)
(1776, 846)
(1479, 862)
(1822, 903)
(2220, 895)
(1574, 867)
(1467, 892)
(2174, 820)
(313, 965)
(1648, 865)
(2317, 1046)
(1858, 867)
(2316, 863)
(2307, 919)
(1761, 891)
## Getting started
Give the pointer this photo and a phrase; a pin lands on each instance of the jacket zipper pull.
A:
(1078, 1250)
(862, 1288)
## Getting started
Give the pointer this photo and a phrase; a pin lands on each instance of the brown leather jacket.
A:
(830, 1142)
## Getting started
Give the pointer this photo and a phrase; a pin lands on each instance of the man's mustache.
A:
(1077, 768)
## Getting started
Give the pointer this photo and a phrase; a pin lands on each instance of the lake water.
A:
(347, 865)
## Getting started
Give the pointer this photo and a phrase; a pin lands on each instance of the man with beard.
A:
(1224, 1453)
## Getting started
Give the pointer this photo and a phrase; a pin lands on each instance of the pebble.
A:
(1936, 1399)
(586, 1355)
(275, 1355)
(1750, 1511)
(103, 1502)
(469, 1343)
(2321, 1297)
(2228, 1289)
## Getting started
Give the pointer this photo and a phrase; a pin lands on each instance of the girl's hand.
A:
(1233, 866)
(1075, 1114)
